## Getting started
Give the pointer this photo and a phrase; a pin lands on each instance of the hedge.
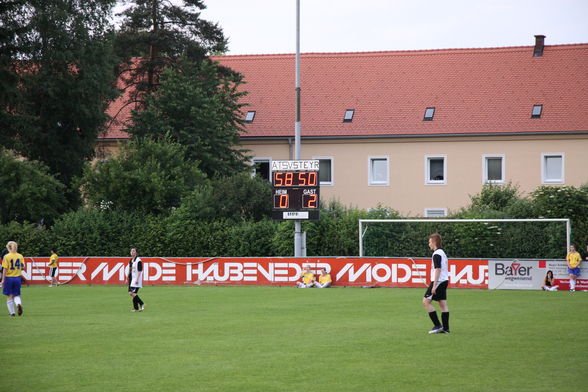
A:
(95, 232)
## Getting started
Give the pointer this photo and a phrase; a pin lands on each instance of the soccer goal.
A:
(467, 238)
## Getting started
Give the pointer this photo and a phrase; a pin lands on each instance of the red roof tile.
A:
(120, 116)
(474, 91)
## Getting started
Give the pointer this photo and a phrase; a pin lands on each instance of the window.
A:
(435, 170)
(378, 171)
(261, 167)
(429, 113)
(325, 170)
(348, 117)
(493, 169)
(249, 116)
(435, 212)
(552, 168)
(537, 109)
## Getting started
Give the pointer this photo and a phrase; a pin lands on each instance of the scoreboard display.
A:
(296, 191)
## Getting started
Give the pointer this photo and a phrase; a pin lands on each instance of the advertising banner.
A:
(371, 272)
(515, 274)
(562, 279)
(529, 274)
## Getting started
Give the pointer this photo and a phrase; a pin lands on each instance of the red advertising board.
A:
(278, 271)
(560, 273)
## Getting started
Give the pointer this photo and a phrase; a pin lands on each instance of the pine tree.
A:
(57, 78)
(197, 106)
(156, 33)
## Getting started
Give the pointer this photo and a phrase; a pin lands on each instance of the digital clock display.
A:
(295, 179)
(296, 192)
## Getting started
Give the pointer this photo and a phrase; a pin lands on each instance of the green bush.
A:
(92, 232)
(147, 176)
(186, 232)
(335, 234)
(28, 192)
(238, 198)
(565, 202)
(495, 197)
(33, 240)
(253, 239)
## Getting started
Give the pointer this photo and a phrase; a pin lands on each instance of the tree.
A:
(495, 197)
(57, 65)
(28, 191)
(198, 107)
(11, 24)
(237, 198)
(564, 202)
(146, 176)
(155, 33)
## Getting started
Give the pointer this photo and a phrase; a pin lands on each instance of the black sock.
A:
(434, 318)
(135, 303)
(139, 300)
(445, 318)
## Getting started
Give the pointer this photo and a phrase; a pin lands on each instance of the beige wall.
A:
(407, 191)
(107, 149)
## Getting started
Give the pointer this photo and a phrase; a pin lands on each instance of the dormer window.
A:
(250, 116)
(429, 114)
(537, 109)
(348, 117)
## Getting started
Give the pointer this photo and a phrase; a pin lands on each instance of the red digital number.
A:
(289, 179)
(278, 181)
(302, 179)
(283, 201)
(295, 179)
(312, 201)
(309, 201)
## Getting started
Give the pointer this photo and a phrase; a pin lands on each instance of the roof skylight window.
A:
(348, 117)
(250, 116)
(429, 114)
(537, 109)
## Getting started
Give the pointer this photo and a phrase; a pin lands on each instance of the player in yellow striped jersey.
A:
(13, 264)
(574, 259)
(53, 267)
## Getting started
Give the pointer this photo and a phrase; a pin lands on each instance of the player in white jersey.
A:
(135, 280)
(437, 290)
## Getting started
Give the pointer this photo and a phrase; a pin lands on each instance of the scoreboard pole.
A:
(297, 223)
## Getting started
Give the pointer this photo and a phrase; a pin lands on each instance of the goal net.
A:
(466, 238)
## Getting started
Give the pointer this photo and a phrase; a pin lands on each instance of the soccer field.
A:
(84, 338)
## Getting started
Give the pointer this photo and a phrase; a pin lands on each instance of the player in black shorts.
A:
(437, 290)
(135, 279)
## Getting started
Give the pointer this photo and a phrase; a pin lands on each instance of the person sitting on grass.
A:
(548, 282)
(324, 279)
(306, 279)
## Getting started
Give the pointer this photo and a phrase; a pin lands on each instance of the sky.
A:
(269, 26)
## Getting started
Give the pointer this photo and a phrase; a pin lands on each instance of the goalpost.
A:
(476, 238)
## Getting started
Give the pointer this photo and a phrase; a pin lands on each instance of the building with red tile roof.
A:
(473, 91)
(511, 114)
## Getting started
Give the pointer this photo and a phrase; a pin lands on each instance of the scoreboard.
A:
(296, 191)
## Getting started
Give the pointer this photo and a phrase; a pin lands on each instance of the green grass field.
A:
(84, 338)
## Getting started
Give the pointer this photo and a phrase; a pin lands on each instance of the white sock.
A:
(10, 305)
(573, 284)
(17, 300)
